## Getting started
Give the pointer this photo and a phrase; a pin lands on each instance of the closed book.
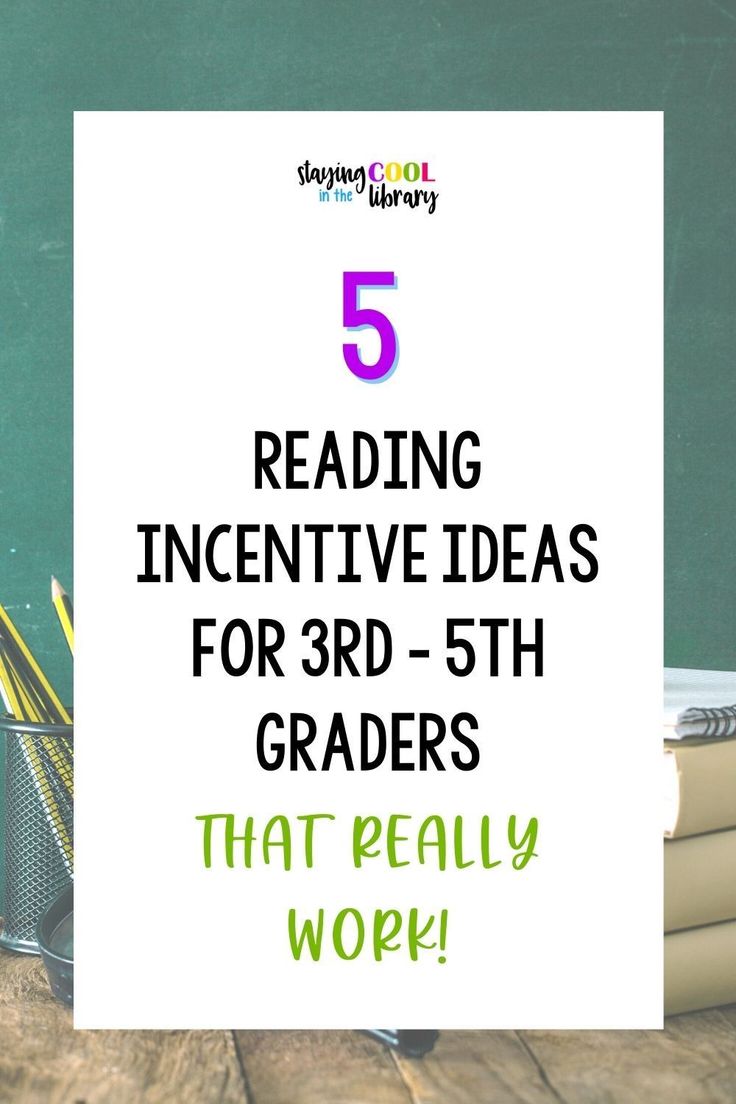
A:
(700, 786)
(700, 968)
(699, 880)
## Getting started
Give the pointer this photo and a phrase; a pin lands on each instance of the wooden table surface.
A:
(43, 1061)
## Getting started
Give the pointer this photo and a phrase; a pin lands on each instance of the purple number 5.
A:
(355, 317)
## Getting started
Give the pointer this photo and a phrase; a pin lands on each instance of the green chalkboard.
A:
(675, 55)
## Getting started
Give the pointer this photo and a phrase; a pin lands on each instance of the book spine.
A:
(707, 788)
(700, 968)
(699, 880)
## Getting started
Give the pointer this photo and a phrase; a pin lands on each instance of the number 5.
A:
(355, 317)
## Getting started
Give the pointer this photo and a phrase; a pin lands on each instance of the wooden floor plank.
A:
(728, 1013)
(476, 1067)
(693, 1061)
(44, 1061)
(318, 1067)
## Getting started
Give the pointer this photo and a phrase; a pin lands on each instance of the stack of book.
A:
(700, 839)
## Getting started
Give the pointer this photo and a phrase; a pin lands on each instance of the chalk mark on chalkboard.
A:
(723, 11)
(673, 71)
(19, 294)
(674, 261)
(715, 64)
(52, 250)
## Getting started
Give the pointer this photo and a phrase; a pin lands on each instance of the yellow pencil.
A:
(44, 708)
(47, 710)
(64, 717)
(33, 761)
(19, 703)
(27, 708)
(64, 611)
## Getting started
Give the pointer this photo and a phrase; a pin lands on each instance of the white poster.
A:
(368, 570)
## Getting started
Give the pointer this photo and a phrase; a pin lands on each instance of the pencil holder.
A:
(39, 842)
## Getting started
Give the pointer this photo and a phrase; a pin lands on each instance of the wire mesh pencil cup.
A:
(39, 825)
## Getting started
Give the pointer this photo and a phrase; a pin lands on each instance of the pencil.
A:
(49, 691)
(64, 611)
(35, 767)
(26, 708)
(46, 708)
(60, 775)
(47, 705)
